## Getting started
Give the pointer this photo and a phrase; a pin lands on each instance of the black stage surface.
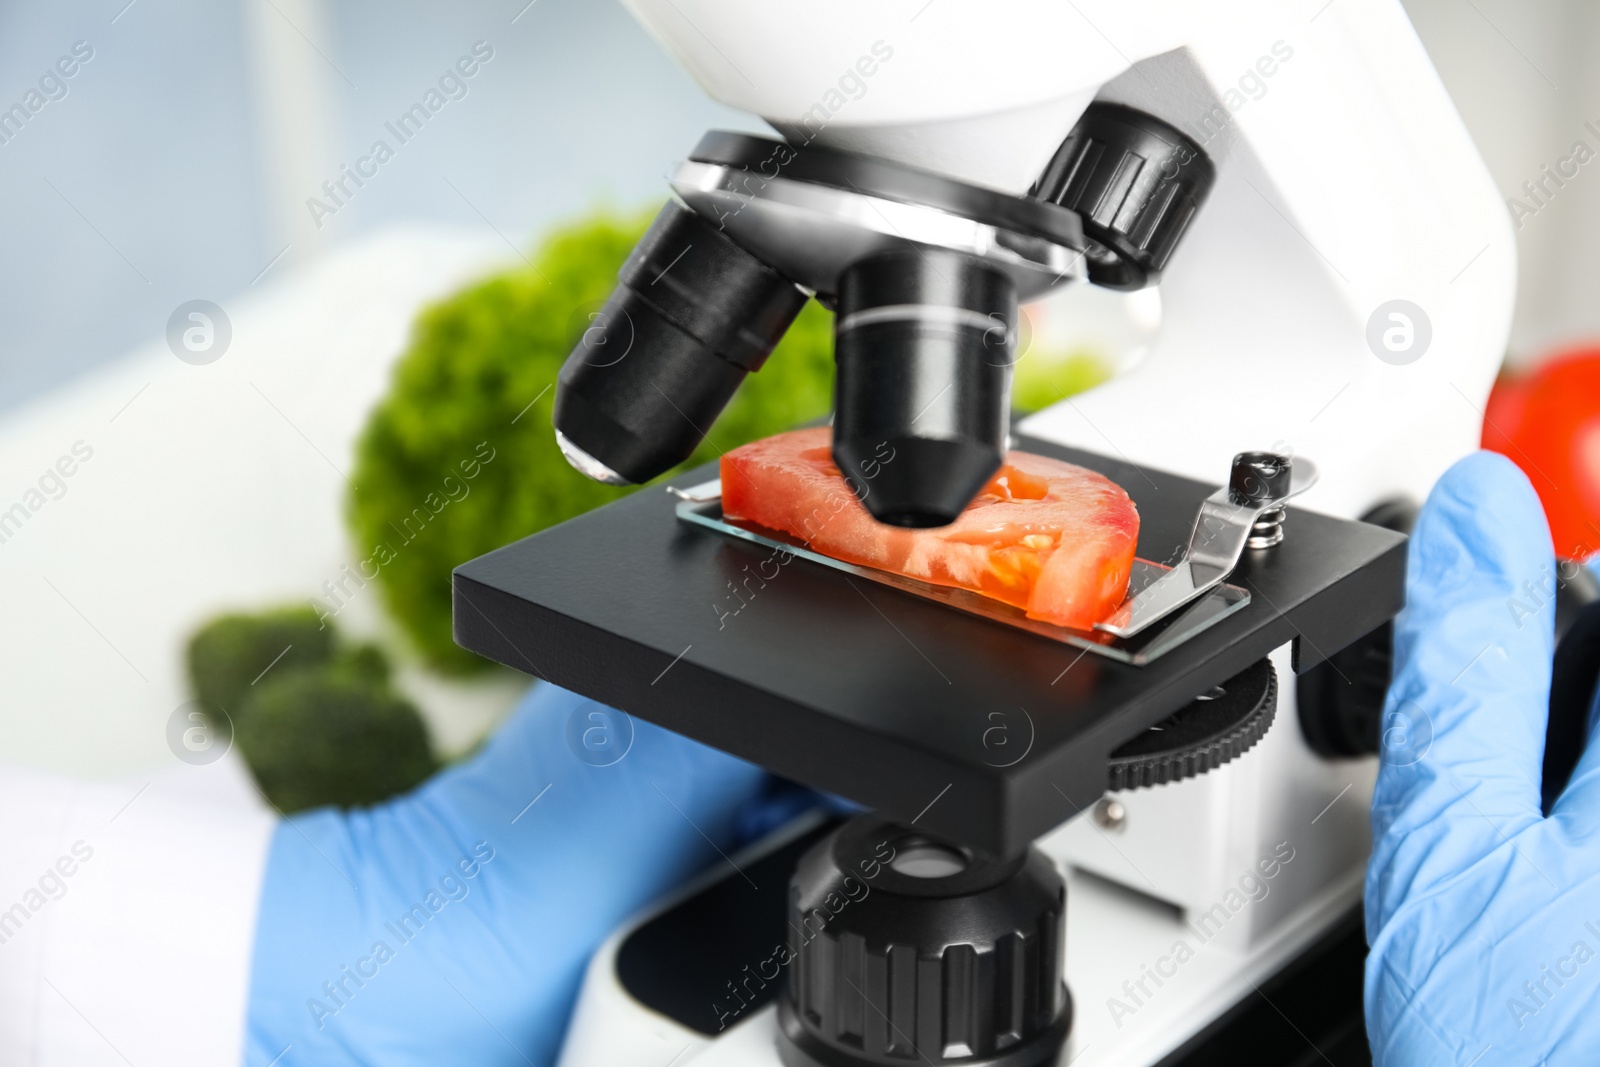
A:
(971, 729)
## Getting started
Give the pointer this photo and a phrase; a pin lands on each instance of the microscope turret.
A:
(924, 272)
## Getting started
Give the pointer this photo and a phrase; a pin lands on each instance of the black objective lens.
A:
(692, 314)
(924, 342)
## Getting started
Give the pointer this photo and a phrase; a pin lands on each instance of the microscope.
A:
(1088, 848)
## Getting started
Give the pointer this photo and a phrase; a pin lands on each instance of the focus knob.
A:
(1214, 728)
(907, 949)
(1136, 182)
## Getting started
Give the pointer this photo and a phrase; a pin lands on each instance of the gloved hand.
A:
(452, 925)
(1483, 916)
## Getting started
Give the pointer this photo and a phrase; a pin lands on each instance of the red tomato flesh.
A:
(1548, 423)
(1050, 538)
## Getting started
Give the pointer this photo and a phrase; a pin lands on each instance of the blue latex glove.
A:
(1483, 916)
(452, 925)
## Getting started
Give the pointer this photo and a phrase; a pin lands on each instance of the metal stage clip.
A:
(1259, 486)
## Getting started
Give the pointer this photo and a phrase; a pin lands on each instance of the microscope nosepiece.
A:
(692, 314)
(924, 343)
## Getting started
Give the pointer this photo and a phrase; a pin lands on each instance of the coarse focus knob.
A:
(908, 949)
(1136, 182)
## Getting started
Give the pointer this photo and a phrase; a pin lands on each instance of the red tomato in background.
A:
(1548, 423)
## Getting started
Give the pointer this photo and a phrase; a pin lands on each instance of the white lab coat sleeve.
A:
(127, 917)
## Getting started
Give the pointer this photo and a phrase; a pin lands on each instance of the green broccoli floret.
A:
(365, 661)
(316, 736)
(317, 724)
(230, 652)
(459, 458)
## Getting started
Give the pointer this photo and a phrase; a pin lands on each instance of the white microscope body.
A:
(1345, 182)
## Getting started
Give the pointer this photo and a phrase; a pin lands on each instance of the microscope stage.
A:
(971, 729)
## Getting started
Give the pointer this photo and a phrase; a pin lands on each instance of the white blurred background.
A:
(179, 163)
(177, 166)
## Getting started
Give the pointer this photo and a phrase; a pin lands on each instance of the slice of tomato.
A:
(1050, 538)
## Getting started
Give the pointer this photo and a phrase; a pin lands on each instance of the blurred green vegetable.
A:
(459, 458)
(232, 651)
(1042, 377)
(329, 735)
(321, 725)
